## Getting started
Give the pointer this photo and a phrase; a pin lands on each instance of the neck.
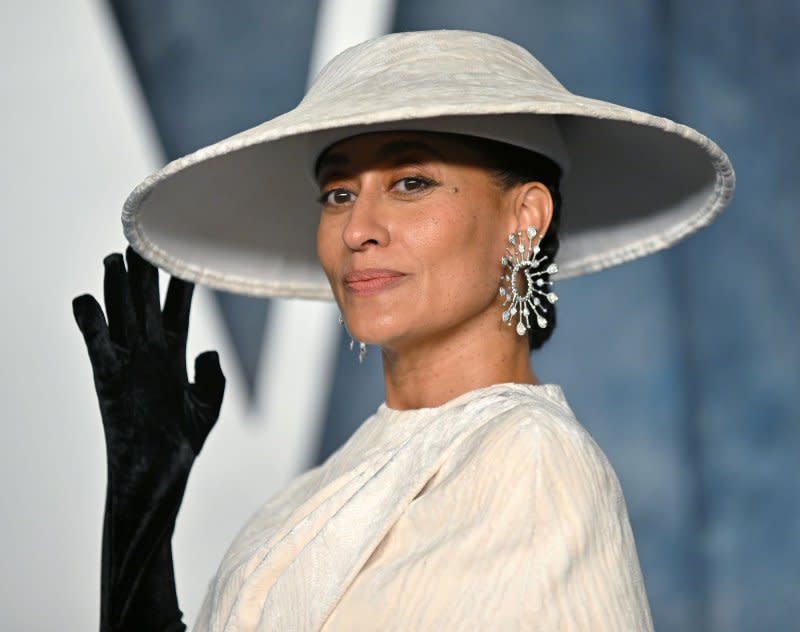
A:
(430, 372)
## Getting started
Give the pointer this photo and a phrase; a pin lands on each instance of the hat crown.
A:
(432, 65)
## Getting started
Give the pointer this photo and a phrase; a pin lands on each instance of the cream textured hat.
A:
(241, 214)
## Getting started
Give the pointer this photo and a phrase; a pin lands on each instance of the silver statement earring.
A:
(362, 346)
(521, 261)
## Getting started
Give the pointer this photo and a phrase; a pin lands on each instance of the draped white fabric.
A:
(496, 511)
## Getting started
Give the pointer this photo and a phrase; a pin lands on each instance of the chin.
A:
(373, 327)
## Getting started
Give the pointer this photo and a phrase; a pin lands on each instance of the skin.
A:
(423, 210)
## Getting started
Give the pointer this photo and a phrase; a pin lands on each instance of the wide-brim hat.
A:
(241, 215)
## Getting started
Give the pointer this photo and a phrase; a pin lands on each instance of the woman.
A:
(472, 498)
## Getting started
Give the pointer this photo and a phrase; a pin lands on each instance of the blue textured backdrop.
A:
(684, 366)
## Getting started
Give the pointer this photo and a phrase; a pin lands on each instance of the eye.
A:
(336, 197)
(413, 184)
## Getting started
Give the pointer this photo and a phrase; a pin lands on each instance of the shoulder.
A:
(538, 448)
(554, 439)
(539, 428)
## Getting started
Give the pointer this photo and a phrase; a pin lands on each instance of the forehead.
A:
(382, 148)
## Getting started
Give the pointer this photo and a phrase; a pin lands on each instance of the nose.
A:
(366, 225)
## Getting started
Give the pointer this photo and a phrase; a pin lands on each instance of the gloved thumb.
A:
(209, 380)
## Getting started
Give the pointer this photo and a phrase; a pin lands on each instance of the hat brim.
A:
(241, 215)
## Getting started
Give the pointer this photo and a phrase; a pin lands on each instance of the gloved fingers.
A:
(92, 324)
(143, 278)
(209, 380)
(177, 306)
(117, 295)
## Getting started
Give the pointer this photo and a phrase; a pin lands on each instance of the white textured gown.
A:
(494, 511)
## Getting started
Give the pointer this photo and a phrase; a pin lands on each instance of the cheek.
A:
(459, 257)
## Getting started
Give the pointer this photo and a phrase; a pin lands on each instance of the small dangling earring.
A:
(521, 260)
(362, 346)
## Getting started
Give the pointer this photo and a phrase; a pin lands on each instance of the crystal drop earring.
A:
(521, 261)
(362, 346)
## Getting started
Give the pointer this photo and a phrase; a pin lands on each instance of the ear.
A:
(533, 207)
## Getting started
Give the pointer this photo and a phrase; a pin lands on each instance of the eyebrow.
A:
(385, 152)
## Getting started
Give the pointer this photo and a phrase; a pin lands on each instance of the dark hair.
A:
(511, 165)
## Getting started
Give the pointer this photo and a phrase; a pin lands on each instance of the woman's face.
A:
(410, 236)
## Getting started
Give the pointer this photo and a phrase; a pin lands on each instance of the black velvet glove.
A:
(155, 424)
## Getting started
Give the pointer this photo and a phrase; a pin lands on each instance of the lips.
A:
(371, 281)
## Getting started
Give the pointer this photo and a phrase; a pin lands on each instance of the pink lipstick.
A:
(371, 280)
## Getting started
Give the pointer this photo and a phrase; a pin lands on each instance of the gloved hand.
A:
(155, 423)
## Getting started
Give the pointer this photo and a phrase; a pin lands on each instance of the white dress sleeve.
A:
(584, 571)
